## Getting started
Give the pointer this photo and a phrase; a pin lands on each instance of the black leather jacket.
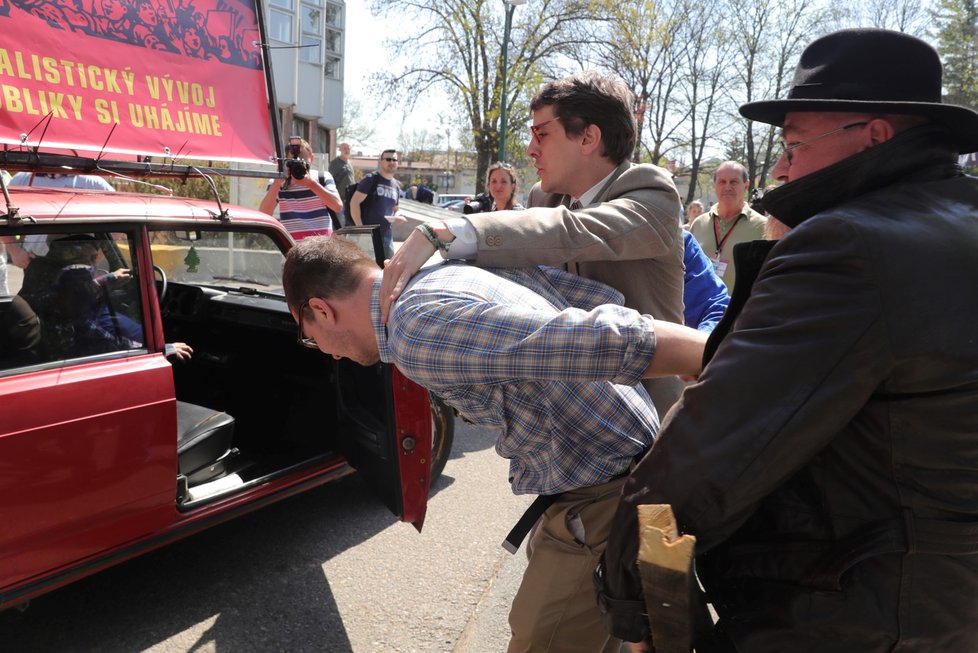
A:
(827, 459)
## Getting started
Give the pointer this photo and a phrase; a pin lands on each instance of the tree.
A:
(196, 187)
(357, 128)
(908, 16)
(706, 77)
(770, 37)
(637, 43)
(459, 51)
(956, 23)
(419, 145)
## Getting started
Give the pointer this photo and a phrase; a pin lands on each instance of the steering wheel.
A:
(161, 284)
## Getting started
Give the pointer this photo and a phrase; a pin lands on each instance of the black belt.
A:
(540, 505)
(526, 522)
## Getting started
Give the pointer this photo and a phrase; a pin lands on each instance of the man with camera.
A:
(304, 204)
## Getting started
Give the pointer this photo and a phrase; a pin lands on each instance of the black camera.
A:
(298, 168)
(478, 204)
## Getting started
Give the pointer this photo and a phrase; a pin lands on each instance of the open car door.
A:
(386, 420)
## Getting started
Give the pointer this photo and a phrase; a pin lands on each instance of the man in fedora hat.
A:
(826, 460)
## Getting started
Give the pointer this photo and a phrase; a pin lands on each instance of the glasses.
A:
(390, 159)
(301, 338)
(788, 149)
(536, 128)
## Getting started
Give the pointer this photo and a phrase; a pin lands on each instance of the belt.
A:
(539, 506)
(526, 522)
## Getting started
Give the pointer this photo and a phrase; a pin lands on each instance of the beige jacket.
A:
(631, 241)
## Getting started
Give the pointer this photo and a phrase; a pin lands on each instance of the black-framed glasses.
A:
(301, 338)
(535, 129)
(390, 159)
(788, 148)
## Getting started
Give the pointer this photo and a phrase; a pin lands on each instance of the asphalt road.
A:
(328, 571)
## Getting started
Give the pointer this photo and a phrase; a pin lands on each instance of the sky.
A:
(364, 55)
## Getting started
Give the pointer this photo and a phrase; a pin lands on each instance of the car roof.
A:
(71, 204)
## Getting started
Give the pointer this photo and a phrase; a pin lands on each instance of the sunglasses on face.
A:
(390, 159)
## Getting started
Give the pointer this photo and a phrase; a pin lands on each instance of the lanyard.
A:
(716, 233)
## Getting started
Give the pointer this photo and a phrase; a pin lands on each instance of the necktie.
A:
(575, 205)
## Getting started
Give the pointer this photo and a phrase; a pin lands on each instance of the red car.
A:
(108, 448)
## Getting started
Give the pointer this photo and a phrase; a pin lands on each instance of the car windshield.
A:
(220, 258)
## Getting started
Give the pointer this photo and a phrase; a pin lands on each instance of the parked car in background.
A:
(455, 207)
(109, 449)
(444, 199)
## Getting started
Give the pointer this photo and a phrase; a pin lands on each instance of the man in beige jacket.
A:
(626, 233)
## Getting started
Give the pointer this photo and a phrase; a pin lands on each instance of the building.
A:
(307, 39)
(306, 55)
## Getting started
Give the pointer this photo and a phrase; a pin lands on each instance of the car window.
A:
(219, 258)
(67, 296)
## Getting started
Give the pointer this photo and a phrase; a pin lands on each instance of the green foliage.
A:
(195, 187)
(956, 24)
(458, 53)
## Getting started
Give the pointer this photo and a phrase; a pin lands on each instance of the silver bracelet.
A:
(429, 234)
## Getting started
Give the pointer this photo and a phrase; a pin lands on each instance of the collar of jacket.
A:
(918, 154)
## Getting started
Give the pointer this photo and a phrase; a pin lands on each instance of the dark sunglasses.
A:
(390, 159)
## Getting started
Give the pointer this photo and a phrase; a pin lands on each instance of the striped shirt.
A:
(551, 358)
(303, 213)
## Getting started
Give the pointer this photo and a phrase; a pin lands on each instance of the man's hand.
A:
(406, 262)
(637, 647)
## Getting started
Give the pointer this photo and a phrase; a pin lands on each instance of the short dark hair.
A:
(590, 98)
(385, 152)
(324, 266)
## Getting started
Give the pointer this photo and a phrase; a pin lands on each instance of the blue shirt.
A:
(705, 296)
(380, 201)
(550, 357)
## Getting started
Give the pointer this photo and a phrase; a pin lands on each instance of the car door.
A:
(87, 418)
(386, 421)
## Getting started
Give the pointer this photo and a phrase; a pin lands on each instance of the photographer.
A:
(304, 203)
(502, 184)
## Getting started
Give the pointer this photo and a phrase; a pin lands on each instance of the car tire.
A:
(442, 434)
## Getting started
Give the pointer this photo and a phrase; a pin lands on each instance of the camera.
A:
(478, 204)
(298, 168)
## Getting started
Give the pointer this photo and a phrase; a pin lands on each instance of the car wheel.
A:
(442, 434)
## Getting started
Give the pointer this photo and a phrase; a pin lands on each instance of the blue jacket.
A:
(705, 296)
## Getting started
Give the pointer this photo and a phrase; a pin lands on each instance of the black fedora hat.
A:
(870, 71)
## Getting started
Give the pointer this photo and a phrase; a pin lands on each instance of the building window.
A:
(333, 68)
(322, 140)
(280, 26)
(312, 19)
(312, 29)
(311, 50)
(334, 14)
(334, 39)
(300, 127)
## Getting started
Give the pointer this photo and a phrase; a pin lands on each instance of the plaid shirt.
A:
(538, 352)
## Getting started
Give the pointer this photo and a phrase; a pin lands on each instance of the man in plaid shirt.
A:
(552, 358)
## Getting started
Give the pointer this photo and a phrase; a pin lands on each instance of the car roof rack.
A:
(143, 166)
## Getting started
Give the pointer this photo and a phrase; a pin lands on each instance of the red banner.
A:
(164, 78)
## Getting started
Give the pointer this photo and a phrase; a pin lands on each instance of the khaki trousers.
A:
(555, 609)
